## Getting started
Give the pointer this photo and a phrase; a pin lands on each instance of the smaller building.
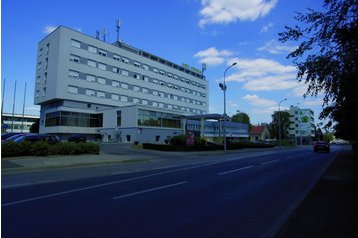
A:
(259, 133)
(17, 123)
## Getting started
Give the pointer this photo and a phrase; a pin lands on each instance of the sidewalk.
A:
(331, 208)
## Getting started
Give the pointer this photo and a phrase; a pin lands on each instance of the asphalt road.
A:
(231, 197)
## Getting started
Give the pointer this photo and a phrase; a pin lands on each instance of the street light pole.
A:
(279, 121)
(223, 87)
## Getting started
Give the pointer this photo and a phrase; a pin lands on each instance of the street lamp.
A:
(223, 87)
(279, 121)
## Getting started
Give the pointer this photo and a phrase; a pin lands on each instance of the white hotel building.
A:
(117, 92)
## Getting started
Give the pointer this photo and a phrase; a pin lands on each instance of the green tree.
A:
(273, 127)
(327, 60)
(35, 127)
(241, 117)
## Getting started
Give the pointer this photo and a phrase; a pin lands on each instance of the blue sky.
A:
(215, 32)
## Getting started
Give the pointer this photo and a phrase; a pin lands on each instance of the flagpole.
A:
(23, 111)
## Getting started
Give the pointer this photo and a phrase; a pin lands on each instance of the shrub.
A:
(39, 149)
(91, 148)
(178, 140)
(9, 149)
(24, 148)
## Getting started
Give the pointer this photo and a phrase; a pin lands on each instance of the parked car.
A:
(11, 137)
(4, 136)
(50, 139)
(77, 138)
(321, 146)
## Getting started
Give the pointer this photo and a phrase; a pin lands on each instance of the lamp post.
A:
(223, 87)
(279, 121)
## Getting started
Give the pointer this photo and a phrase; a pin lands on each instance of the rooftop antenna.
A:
(104, 34)
(203, 68)
(97, 35)
(118, 26)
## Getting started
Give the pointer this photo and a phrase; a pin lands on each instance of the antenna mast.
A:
(104, 34)
(118, 26)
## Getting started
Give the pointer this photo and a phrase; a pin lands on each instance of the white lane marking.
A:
(97, 186)
(150, 190)
(15, 185)
(23, 184)
(235, 170)
(272, 161)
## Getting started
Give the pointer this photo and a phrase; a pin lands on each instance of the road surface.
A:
(224, 197)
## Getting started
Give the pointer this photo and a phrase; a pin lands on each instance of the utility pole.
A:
(13, 109)
(23, 111)
(279, 121)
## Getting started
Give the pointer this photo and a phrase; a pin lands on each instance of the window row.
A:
(126, 73)
(117, 84)
(123, 98)
(102, 52)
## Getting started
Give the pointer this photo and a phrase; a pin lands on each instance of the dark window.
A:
(119, 118)
(128, 138)
(157, 138)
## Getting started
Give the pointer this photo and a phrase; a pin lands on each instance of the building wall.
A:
(64, 71)
(18, 123)
(302, 125)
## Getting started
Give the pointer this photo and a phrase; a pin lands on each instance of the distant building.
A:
(116, 92)
(259, 133)
(302, 127)
(18, 123)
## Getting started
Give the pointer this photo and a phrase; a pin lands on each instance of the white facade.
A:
(302, 125)
(79, 79)
(18, 122)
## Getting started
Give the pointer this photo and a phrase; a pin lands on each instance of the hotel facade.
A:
(116, 92)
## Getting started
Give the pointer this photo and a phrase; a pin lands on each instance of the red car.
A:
(321, 146)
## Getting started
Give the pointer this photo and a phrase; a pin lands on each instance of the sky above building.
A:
(215, 32)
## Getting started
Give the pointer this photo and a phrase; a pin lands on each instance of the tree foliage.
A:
(273, 127)
(35, 127)
(241, 117)
(327, 61)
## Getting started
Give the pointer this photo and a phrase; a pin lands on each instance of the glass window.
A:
(144, 102)
(145, 78)
(146, 67)
(74, 58)
(37, 93)
(125, 60)
(116, 57)
(136, 64)
(101, 94)
(76, 43)
(125, 73)
(124, 98)
(72, 89)
(89, 92)
(115, 84)
(91, 63)
(154, 104)
(43, 91)
(115, 97)
(136, 88)
(102, 66)
(155, 81)
(116, 70)
(136, 76)
(102, 52)
(124, 85)
(92, 49)
(144, 90)
(161, 104)
(155, 93)
(90, 78)
(155, 70)
(135, 100)
(73, 74)
(101, 80)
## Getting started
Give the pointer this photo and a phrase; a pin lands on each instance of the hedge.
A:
(207, 147)
(12, 149)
